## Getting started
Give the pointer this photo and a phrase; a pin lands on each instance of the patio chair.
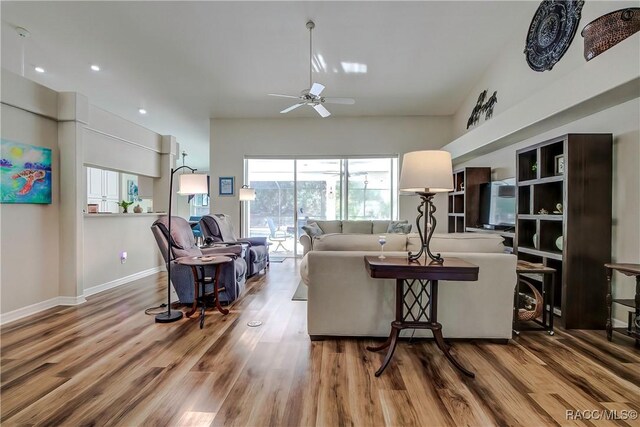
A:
(277, 236)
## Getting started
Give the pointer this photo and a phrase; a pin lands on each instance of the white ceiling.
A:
(188, 61)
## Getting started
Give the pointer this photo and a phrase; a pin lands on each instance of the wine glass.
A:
(382, 240)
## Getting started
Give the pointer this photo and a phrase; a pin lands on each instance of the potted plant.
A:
(125, 205)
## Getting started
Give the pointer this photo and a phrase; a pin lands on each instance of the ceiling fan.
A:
(312, 96)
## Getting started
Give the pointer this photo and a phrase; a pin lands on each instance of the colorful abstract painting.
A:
(25, 173)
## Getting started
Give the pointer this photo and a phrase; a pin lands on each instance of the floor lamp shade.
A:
(193, 183)
(247, 194)
(428, 171)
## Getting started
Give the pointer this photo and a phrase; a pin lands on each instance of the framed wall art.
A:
(226, 186)
(559, 164)
(25, 173)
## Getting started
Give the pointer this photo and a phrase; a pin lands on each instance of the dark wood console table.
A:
(200, 280)
(417, 297)
(631, 330)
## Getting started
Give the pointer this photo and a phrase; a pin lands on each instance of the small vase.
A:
(137, 209)
(124, 210)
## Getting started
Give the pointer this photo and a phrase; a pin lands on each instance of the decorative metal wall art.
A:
(608, 30)
(551, 31)
(482, 107)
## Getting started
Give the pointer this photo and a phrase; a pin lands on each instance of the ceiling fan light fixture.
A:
(311, 96)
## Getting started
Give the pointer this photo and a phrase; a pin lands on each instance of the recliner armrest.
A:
(254, 241)
(222, 250)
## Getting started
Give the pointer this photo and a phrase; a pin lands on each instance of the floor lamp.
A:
(190, 183)
(426, 173)
(245, 194)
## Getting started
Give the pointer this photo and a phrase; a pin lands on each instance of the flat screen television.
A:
(498, 204)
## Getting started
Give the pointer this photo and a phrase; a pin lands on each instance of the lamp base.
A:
(169, 316)
(426, 209)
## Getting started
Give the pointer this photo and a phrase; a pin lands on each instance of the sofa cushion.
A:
(459, 242)
(357, 227)
(358, 242)
(399, 227)
(379, 226)
(329, 226)
(312, 229)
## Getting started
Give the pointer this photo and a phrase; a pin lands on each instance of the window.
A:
(289, 191)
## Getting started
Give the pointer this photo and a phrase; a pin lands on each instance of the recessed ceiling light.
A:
(39, 69)
(95, 67)
(142, 111)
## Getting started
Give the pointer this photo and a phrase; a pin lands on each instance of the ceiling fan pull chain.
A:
(310, 25)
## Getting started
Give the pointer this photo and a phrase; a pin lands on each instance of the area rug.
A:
(301, 292)
(277, 259)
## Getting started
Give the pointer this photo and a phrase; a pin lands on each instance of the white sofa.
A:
(376, 227)
(344, 301)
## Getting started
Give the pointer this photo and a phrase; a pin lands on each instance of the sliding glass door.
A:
(291, 191)
(272, 213)
(318, 192)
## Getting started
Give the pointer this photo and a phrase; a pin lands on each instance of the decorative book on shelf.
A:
(564, 220)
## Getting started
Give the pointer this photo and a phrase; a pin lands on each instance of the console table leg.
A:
(437, 334)
(437, 331)
(216, 292)
(608, 325)
(393, 341)
(637, 310)
(380, 347)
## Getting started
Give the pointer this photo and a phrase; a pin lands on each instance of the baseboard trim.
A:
(121, 281)
(32, 309)
(38, 307)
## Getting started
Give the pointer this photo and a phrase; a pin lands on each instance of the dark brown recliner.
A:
(232, 276)
(218, 228)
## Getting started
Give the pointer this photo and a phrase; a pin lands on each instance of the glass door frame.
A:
(344, 171)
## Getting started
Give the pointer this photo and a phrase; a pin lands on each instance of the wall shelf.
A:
(577, 243)
(464, 201)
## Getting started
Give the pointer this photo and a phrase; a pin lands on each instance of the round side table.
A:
(200, 280)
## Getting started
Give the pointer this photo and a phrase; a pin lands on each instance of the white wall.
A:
(47, 256)
(29, 236)
(106, 236)
(510, 75)
(111, 142)
(623, 121)
(232, 139)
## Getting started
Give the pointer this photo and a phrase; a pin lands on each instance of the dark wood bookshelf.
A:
(576, 240)
(464, 200)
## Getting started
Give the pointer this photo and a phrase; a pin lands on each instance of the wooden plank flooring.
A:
(107, 363)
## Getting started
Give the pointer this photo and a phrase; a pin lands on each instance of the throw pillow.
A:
(312, 229)
(400, 227)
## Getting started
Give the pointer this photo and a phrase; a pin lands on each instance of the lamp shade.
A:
(247, 193)
(428, 171)
(193, 183)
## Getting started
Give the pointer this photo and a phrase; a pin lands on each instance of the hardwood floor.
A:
(107, 363)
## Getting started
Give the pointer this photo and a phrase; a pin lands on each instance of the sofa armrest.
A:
(305, 241)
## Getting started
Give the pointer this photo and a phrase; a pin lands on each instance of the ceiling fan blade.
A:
(316, 89)
(293, 107)
(283, 96)
(321, 110)
(346, 101)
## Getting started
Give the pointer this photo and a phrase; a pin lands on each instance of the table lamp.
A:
(246, 194)
(190, 183)
(426, 173)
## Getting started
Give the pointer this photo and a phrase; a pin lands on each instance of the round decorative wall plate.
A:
(551, 31)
